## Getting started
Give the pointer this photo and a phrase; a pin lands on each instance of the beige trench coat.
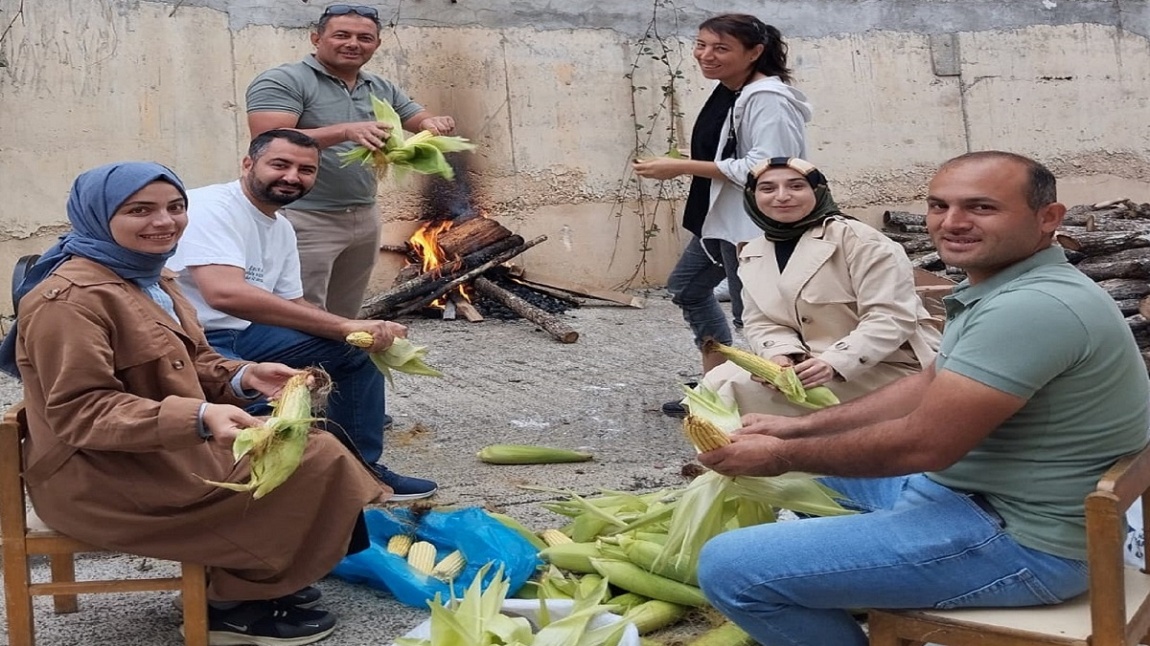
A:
(113, 386)
(846, 297)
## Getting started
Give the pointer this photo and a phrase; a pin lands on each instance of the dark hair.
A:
(750, 31)
(259, 144)
(321, 24)
(1041, 187)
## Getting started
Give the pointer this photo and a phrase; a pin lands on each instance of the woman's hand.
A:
(815, 372)
(383, 333)
(225, 421)
(659, 167)
(267, 378)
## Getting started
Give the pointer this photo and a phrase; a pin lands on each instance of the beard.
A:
(268, 192)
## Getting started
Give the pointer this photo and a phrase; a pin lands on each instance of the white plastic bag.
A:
(529, 610)
(1136, 536)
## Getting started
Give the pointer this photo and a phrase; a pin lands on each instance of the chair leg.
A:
(63, 567)
(17, 601)
(882, 632)
(195, 593)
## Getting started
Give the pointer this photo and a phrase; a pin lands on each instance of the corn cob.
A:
(703, 434)
(554, 537)
(783, 378)
(726, 634)
(421, 557)
(529, 454)
(449, 566)
(632, 578)
(654, 614)
(573, 557)
(400, 544)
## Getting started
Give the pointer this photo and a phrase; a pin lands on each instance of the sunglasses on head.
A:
(359, 10)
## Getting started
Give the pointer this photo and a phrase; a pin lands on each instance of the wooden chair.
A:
(20, 541)
(1114, 612)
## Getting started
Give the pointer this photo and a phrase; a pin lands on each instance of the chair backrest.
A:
(13, 523)
(1126, 483)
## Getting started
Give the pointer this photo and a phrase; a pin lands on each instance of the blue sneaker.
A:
(404, 487)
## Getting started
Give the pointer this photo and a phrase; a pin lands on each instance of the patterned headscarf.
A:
(95, 197)
(774, 230)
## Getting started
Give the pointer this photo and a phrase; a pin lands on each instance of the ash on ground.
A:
(493, 309)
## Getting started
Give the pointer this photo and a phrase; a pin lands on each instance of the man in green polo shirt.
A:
(972, 473)
(328, 97)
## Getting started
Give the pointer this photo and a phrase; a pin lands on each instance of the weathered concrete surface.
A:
(543, 88)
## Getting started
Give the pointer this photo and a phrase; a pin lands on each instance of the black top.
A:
(704, 145)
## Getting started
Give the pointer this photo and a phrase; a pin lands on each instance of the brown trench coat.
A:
(847, 297)
(112, 387)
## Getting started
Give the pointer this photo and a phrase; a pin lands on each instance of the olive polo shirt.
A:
(319, 99)
(1042, 330)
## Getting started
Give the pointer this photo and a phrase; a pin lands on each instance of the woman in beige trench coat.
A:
(822, 292)
(129, 410)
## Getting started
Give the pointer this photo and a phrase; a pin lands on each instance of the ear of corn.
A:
(573, 557)
(275, 449)
(726, 634)
(421, 557)
(704, 435)
(782, 378)
(449, 566)
(422, 152)
(555, 537)
(402, 355)
(628, 576)
(400, 544)
(529, 454)
(654, 614)
(707, 404)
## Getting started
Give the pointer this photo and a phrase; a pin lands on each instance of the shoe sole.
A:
(224, 638)
(400, 497)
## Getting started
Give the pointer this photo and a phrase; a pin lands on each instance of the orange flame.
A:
(426, 244)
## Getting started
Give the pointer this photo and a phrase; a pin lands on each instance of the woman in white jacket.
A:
(753, 114)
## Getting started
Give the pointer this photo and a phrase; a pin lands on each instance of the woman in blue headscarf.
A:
(129, 411)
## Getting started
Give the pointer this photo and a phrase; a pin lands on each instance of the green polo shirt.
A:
(319, 99)
(1042, 330)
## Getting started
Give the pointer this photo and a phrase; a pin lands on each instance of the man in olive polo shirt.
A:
(972, 474)
(328, 97)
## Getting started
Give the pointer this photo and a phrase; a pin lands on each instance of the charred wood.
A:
(547, 322)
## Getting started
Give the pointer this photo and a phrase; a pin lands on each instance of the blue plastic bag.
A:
(472, 531)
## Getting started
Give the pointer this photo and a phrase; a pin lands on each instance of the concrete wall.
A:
(898, 86)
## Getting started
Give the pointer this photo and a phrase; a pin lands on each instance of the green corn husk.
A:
(275, 449)
(726, 634)
(402, 355)
(421, 152)
(529, 454)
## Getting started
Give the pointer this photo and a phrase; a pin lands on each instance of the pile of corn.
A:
(275, 449)
(423, 557)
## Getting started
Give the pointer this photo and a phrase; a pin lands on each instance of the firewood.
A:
(548, 322)
(1123, 288)
(1144, 307)
(1103, 242)
(464, 307)
(420, 303)
(1140, 327)
(900, 220)
(623, 298)
(432, 282)
(470, 236)
(929, 261)
(1130, 263)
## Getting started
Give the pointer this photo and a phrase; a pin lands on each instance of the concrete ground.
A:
(507, 382)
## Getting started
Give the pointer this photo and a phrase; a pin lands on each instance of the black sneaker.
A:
(404, 487)
(267, 623)
(676, 408)
(305, 598)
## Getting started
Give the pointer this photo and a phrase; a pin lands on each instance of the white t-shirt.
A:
(224, 228)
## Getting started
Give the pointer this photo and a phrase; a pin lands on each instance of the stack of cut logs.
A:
(1108, 241)
(474, 246)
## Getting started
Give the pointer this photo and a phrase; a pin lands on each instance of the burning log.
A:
(470, 236)
(433, 282)
(468, 276)
(548, 322)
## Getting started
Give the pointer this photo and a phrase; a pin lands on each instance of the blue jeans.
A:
(355, 408)
(919, 545)
(692, 286)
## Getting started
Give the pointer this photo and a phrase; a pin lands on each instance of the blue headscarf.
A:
(95, 197)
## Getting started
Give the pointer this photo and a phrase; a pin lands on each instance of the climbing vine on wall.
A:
(656, 79)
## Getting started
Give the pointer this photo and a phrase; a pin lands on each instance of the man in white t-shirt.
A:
(238, 264)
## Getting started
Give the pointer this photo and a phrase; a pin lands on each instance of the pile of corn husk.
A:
(275, 448)
(647, 545)
(421, 152)
(478, 619)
